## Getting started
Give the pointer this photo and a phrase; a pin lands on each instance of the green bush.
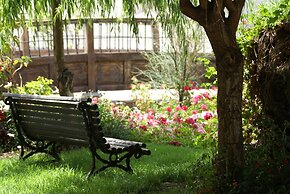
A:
(40, 86)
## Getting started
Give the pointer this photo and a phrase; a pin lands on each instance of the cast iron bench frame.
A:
(43, 122)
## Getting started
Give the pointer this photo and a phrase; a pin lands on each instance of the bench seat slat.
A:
(32, 107)
(53, 123)
(49, 116)
(48, 103)
(124, 142)
(43, 129)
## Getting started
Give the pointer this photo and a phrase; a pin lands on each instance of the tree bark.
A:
(64, 76)
(229, 103)
(230, 64)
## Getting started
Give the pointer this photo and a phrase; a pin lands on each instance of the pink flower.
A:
(206, 95)
(194, 112)
(168, 109)
(203, 107)
(178, 108)
(196, 99)
(214, 88)
(115, 109)
(200, 130)
(94, 100)
(207, 116)
(152, 122)
(150, 111)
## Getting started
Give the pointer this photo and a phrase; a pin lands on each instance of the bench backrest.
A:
(55, 119)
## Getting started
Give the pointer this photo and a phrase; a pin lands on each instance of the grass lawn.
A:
(168, 169)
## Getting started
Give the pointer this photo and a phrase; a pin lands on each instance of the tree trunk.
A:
(64, 76)
(229, 105)
(230, 63)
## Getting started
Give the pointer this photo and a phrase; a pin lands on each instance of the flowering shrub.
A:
(166, 121)
(8, 68)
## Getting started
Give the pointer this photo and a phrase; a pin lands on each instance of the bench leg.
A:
(92, 150)
(116, 162)
(40, 147)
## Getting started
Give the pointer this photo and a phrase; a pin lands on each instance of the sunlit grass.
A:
(167, 164)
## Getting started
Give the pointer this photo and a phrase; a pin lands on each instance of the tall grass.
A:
(168, 169)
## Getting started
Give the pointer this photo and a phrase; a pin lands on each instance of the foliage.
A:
(267, 145)
(40, 86)
(9, 67)
(179, 64)
(268, 15)
(267, 162)
(170, 70)
(112, 126)
(210, 73)
(167, 165)
(141, 95)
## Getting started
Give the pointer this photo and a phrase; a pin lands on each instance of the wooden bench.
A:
(44, 122)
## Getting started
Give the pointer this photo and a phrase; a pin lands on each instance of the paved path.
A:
(126, 95)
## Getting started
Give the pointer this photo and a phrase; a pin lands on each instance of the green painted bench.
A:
(44, 122)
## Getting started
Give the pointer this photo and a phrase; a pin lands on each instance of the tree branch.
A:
(203, 4)
(195, 13)
(235, 9)
(229, 4)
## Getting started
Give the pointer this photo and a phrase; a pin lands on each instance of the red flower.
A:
(207, 116)
(2, 116)
(190, 121)
(193, 87)
(177, 120)
(186, 88)
(162, 120)
(169, 109)
(143, 127)
(184, 108)
(176, 143)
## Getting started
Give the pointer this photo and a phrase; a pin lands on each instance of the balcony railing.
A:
(108, 36)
